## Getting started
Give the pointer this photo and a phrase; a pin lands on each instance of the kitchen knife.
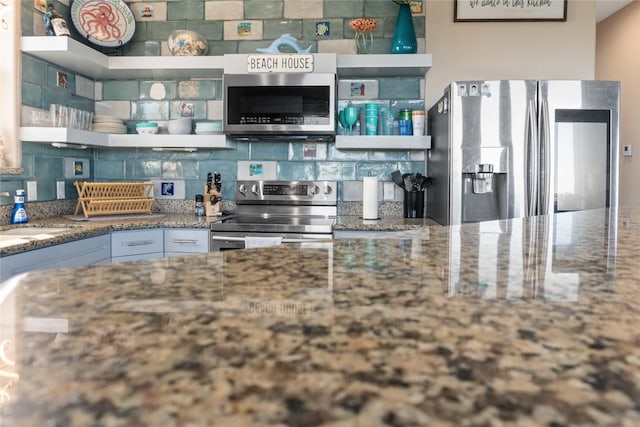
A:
(217, 181)
(209, 180)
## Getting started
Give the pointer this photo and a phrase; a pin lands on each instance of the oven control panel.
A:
(293, 192)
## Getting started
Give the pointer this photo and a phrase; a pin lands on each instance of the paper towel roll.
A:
(370, 197)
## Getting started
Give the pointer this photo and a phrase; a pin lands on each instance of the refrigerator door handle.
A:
(545, 157)
(533, 161)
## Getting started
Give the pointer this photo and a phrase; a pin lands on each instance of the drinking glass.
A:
(351, 117)
(343, 122)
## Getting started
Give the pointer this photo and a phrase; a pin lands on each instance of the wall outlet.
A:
(60, 189)
(627, 150)
(388, 191)
(32, 191)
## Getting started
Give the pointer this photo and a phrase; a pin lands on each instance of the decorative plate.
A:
(108, 23)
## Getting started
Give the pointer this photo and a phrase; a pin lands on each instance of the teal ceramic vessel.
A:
(404, 36)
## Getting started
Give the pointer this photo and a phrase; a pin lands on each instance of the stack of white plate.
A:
(108, 124)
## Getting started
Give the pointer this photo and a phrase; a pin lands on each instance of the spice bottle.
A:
(54, 23)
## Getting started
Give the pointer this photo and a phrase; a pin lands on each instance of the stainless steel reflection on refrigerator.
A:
(514, 148)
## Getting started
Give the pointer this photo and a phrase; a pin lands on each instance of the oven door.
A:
(228, 240)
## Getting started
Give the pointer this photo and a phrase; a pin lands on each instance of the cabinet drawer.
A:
(137, 242)
(93, 250)
(185, 240)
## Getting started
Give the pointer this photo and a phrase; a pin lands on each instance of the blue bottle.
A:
(19, 213)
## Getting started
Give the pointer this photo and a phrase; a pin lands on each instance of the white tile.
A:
(223, 10)
(85, 87)
(119, 109)
(97, 91)
(257, 170)
(305, 9)
(340, 47)
(215, 109)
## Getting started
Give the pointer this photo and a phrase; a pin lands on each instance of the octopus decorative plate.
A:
(108, 23)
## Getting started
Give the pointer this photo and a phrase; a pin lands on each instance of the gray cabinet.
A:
(93, 250)
(137, 244)
(184, 241)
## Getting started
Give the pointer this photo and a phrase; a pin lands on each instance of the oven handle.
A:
(241, 239)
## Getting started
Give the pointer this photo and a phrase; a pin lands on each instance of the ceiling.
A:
(604, 8)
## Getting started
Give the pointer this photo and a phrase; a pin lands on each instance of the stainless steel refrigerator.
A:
(513, 148)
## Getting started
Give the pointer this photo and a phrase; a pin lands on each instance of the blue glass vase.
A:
(404, 36)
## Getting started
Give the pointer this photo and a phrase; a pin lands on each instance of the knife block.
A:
(212, 202)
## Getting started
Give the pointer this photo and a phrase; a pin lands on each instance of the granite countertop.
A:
(522, 322)
(101, 225)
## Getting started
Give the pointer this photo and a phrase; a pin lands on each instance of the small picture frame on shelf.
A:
(509, 10)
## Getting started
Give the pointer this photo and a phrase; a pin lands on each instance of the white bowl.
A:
(180, 126)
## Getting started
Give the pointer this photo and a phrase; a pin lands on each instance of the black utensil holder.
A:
(414, 204)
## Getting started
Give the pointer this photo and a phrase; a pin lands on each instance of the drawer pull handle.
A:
(140, 243)
(191, 241)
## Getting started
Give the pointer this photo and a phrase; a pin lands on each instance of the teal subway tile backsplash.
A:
(110, 169)
(147, 169)
(335, 154)
(272, 29)
(297, 170)
(150, 110)
(31, 94)
(411, 167)
(269, 151)
(120, 90)
(132, 101)
(187, 10)
(397, 88)
(336, 171)
(33, 70)
(240, 153)
(263, 9)
(211, 30)
(381, 170)
(343, 9)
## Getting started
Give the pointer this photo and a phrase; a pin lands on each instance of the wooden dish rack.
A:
(112, 198)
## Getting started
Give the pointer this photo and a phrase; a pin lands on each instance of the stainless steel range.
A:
(277, 212)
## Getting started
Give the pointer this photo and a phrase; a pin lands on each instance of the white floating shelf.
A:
(172, 141)
(97, 139)
(64, 135)
(82, 59)
(381, 65)
(383, 142)
(69, 53)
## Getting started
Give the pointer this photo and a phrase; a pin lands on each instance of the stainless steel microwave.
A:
(280, 106)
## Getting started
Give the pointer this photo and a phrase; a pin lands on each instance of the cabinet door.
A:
(186, 240)
(137, 242)
(94, 250)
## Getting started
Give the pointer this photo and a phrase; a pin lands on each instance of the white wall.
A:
(508, 50)
(618, 58)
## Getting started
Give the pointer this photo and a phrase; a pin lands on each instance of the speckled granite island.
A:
(523, 322)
